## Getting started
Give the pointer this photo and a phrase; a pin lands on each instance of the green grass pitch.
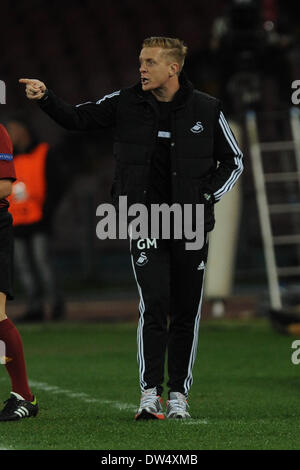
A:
(246, 391)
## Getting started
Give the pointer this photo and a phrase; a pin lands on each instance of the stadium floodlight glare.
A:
(138, 216)
(296, 93)
(2, 92)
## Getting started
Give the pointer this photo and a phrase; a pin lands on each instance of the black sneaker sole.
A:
(145, 415)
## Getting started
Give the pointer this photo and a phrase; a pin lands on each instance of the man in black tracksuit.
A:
(172, 145)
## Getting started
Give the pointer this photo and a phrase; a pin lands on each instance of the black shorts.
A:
(6, 253)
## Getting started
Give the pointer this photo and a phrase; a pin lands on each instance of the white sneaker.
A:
(150, 405)
(177, 406)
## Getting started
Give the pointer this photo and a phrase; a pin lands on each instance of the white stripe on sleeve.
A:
(116, 93)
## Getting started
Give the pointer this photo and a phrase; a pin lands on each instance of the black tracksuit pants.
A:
(170, 284)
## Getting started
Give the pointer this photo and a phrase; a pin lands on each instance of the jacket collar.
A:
(181, 97)
(33, 144)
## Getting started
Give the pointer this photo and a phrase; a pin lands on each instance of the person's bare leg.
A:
(15, 361)
(2, 307)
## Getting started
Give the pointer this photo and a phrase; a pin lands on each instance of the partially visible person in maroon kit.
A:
(22, 403)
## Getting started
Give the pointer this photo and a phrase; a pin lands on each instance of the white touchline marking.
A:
(83, 396)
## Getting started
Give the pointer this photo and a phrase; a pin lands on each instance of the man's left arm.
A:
(228, 157)
(5, 187)
(7, 168)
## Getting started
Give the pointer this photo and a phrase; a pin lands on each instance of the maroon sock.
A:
(15, 365)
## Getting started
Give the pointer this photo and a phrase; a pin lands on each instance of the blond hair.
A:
(175, 48)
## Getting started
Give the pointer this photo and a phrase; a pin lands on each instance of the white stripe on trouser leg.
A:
(140, 343)
(189, 379)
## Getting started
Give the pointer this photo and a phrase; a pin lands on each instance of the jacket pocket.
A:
(194, 167)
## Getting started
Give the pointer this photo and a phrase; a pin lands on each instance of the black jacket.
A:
(205, 158)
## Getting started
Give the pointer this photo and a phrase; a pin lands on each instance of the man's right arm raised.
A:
(90, 115)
